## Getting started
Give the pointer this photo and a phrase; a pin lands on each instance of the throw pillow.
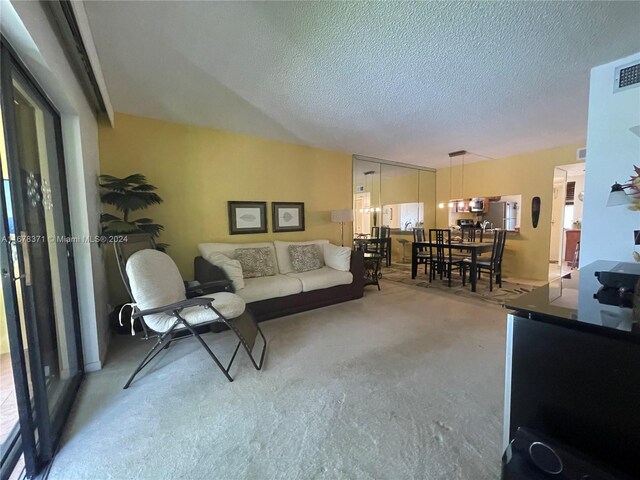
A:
(256, 262)
(305, 257)
(232, 268)
(338, 258)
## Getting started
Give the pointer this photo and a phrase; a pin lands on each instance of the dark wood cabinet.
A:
(572, 237)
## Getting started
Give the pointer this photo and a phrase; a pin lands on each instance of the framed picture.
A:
(287, 216)
(247, 217)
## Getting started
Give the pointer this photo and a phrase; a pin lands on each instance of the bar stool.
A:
(404, 242)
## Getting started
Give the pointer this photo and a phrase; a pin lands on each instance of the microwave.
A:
(478, 206)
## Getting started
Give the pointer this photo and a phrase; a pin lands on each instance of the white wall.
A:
(27, 28)
(612, 149)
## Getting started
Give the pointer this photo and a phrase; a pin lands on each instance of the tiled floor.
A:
(8, 405)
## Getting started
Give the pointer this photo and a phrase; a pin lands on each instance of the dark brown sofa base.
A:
(300, 302)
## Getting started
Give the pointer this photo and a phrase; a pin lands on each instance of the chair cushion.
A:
(228, 304)
(306, 257)
(262, 288)
(338, 258)
(322, 278)
(256, 262)
(154, 279)
(231, 267)
(282, 252)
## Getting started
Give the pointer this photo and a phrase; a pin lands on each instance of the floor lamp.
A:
(341, 216)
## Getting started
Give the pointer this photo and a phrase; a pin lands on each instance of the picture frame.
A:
(247, 217)
(287, 216)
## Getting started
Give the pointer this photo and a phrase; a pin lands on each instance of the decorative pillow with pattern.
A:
(306, 257)
(256, 262)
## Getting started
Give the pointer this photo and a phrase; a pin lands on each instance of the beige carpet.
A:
(405, 383)
(401, 273)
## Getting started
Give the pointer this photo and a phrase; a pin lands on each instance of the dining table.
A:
(360, 243)
(473, 248)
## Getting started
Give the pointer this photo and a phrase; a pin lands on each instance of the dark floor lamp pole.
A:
(341, 216)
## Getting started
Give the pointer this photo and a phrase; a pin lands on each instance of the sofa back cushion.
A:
(229, 249)
(231, 267)
(282, 252)
(338, 258)
(306, 257)
(256, 262)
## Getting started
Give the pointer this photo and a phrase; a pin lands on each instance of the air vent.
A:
(581, 154)
(627, 76)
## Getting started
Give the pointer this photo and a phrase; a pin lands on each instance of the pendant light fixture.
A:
(459, 153)
(450, 204)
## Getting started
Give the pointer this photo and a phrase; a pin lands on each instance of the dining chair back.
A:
(422, 253)
(471, 234)
(494, 264)
(442, 261)
(375, 232)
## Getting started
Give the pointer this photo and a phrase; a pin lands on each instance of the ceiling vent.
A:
(581, 154)
(626, 77)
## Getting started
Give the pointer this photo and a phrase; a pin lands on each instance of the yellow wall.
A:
(197, 170)
(531, 174)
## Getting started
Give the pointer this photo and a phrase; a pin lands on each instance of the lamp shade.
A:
(341, 216)
(617, 196)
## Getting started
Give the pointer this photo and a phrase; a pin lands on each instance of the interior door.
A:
(36, 264)
(556, 240)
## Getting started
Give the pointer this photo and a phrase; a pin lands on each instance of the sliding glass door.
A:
(36, 268)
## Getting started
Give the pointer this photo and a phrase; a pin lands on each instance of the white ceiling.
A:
(402, 81)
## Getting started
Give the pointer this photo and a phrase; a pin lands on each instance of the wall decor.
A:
(287, 216)
(535, 211)
(247, 217)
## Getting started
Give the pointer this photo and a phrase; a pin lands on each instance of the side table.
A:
(372, 272)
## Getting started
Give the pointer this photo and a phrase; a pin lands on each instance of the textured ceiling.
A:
(402, 81)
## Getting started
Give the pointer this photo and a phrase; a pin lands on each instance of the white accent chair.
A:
(155, 285)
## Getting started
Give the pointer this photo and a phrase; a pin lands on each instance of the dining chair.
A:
(494, 265)
(471, 234)
(442, 261)
(422, 256)
(381, 244)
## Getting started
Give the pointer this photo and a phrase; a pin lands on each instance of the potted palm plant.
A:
(128, 195)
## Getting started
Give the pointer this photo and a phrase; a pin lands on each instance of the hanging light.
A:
(441, 205)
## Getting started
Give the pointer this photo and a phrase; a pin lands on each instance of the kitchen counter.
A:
(572, 369)
(570, 302)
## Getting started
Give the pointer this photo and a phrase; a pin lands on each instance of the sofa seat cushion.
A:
(324, 277)
(262, 288)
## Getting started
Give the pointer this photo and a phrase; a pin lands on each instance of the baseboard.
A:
(93, 366)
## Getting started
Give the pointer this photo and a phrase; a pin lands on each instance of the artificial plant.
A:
(128, 195)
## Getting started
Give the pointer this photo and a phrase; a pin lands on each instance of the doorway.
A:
(40, 325)
(566, 219)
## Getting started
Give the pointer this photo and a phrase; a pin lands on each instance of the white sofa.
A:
(288, 291)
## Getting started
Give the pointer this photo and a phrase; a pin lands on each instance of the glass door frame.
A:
(33, 415)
